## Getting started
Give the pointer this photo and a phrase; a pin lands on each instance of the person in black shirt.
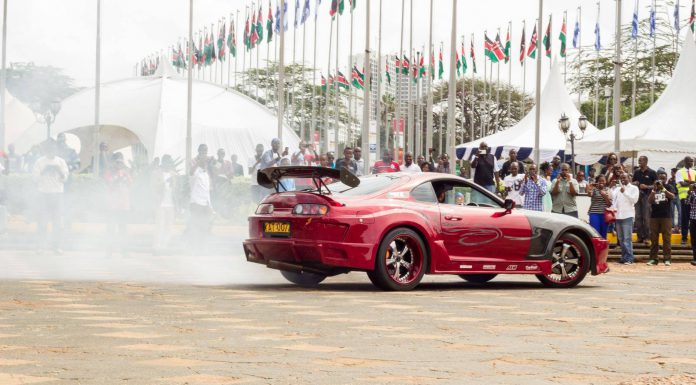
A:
(486, 168)
(644, 177)
(505, 170)
(661, 195)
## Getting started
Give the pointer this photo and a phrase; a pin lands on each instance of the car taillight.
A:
(310, 209)
(265, 208)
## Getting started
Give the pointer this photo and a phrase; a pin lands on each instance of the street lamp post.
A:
(571, 136)
(49, 116)
(607, 95)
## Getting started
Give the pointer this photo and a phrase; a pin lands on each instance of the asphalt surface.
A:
(88, 318)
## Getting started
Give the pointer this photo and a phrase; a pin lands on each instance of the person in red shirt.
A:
(386, 164)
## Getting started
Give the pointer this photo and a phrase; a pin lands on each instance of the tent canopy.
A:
(152, 110)
(555, 101)
(18, 118)
(666, 132)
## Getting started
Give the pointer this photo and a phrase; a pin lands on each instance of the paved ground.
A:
(84, 318)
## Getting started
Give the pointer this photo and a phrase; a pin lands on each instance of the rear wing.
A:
(270, 177)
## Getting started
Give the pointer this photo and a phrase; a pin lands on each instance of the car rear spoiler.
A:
(270, 177)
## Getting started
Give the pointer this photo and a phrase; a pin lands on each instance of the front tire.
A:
(478, 278)
(303, 279)
(401, 261)
(570, 264)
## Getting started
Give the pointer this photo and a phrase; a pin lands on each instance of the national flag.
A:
(276, 25)
(254, 37)
(441, 67)
(523, 46)
(388, 74)
(358, 79)
(323, 83)
(432, 64)
(259, 24)
(598, 37)
(332, 79)
(547, 39)
(342, 81)
(465, 66)
(508, 46)
(337, 6)
(198, 51)
(562, 37)
(232, 40)
(247, 34)
(305, 12)
(352, 4)
(692, 18)
(576, 33)
(458, 63)
(405, 65)
(269, 24)
(677, 27)
(493, 49)
(634, 22)
(422, 71)
(221, 42)
(653, 19)
(473, 56)
(297, 13)
(397, 64)
(414, 71)
(213, 58)
(531, 51)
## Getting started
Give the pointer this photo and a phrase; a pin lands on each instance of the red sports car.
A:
(397, 227)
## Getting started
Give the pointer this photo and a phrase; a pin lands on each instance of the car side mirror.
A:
(509, 205)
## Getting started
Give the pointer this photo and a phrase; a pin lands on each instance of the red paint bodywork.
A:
(459, 239)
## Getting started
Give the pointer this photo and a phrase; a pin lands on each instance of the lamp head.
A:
(582, 123)
(564, 124)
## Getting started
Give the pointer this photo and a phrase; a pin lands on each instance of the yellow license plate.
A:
(276, 228)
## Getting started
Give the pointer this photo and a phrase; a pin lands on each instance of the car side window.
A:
(463, 194)
(424, 193)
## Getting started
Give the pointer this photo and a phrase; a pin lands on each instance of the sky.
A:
(63, 33)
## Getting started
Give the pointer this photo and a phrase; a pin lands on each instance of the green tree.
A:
(38, 86)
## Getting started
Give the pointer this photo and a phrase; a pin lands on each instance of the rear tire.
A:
(401, 261)
(303, 279)
(478, 278)
(570, 263)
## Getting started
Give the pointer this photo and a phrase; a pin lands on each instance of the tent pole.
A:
(189, 92)
(97, 93)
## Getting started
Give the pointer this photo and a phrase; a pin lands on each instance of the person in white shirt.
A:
(254, 163)
(409, 167)
(50, 172)
(513, 185)
(624, 198)
(200, 205)
(359, 160)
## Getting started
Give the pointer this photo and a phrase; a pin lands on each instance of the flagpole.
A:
(378, 107)
(399, 134)
(313, 127)
(652, 83)
(189, 98)
(463, 129)
(537, 117)
(3, 76)
(442, 115)
(410, 110)
(550, 39)
(509, 54)
(497, 95)
(246, 48)
(473, 93)
(303, 126)
(281, 73)
(579, 53)
(617, 81)
(325, 126)
(635, 69)
(452, 90)
(337, 88)
(258, 56)
(366, 94)
(97, 90)
(565, 54)
(349, 137)
(268, 57)
(524, 76)
(229, 61)
(417, 132)
(218, 56)
(429, 102)
(597, 49)
(212, 46)
(484, 115)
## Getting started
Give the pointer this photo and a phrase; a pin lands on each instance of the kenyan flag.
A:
(342, 81)
(493, 50)
(692, 18)
(459, 64)
(388, 74)
(441, 67)
(547, 39)
(254, 37)
(432, 65)
(405, 65)
(323, 83)
(473, 55)
(221, 42)
(259, 25)
(562, 38)
(422, 71)
(232, 40)
(337, 6)
(508, 47)
(247, 35)
(531, 52)
(523, 47)
(465, 66)
(269, 23)
(358, 79)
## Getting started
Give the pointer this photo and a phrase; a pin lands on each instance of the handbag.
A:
(609, 216)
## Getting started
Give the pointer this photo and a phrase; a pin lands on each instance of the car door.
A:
(481, 229)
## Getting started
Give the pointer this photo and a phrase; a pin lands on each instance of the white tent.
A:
(555, 101)
(666, 132)
(18, 118)
(152, 110)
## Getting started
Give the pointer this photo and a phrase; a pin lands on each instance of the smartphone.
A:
(483, 152)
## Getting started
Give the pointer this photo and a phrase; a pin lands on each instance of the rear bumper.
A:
(601, 251)
(314, 256)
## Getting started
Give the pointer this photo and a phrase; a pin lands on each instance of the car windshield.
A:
(368, 185)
